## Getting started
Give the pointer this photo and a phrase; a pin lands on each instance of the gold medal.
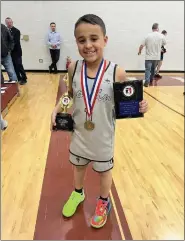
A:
(89, 125)
(90, 98)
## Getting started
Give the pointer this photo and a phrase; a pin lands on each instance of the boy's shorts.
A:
(97, 166)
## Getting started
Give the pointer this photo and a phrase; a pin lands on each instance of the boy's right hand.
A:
(53, 120)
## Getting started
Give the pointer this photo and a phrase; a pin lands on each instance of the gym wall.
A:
(127, 22)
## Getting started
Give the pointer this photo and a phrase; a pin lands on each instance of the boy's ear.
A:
(106, 39)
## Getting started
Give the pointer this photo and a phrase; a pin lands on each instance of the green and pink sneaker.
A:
(101, 213)
(71, 205)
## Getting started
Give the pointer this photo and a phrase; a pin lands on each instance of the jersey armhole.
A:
(114, 73)
(74, 70)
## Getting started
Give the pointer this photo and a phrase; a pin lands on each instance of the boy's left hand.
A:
(143, 106)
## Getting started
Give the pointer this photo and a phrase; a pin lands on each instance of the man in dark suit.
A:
(17, 52)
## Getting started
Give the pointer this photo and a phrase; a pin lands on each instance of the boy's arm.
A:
(57, 108)
(164, 41)
(120, 75)
(71, 68)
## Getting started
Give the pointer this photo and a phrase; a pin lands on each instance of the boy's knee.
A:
(80, 168)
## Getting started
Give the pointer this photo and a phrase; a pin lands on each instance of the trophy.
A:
(127, 96)
(65, 79)
(64, 121)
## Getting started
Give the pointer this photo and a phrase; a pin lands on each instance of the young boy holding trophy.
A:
(91, 87)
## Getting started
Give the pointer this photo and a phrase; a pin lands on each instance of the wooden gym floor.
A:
(148, 177)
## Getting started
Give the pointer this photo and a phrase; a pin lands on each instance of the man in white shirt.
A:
(153, 43)
(54, 42)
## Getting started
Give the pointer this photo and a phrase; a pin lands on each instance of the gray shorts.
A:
(97, 166)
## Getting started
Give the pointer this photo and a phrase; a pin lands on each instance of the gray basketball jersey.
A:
(97, 144)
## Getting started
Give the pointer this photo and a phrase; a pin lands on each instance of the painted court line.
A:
(131, 78)
(164, 104)
(57, 185)
(178, 78)
(134, 78)
(117, 216)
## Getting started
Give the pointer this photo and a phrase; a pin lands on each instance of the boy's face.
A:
(165, 34)
(90, 41)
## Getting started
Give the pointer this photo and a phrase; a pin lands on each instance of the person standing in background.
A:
(54, 42)
(4, 124)
(153, 43)
(7, 45)
(163, 50)
(16, 53)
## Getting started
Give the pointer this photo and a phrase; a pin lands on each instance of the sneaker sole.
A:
(100, 226)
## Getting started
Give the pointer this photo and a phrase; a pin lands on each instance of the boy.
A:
(163, 50)
(93, 136)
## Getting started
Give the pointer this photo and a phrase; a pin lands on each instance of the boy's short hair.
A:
(164, 32)
(155, 26)
(52, 23)
(92, 19)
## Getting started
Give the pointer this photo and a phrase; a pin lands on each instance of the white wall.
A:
(127, 24)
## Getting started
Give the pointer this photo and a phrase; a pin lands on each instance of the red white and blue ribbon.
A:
(90, 98)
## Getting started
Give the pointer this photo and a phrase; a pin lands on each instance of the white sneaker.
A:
(5, 125)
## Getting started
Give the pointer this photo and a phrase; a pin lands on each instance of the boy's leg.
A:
(158, 67)
(77, 196)
(153, 68)
(105, 184)
(79, 173)
(103, 206)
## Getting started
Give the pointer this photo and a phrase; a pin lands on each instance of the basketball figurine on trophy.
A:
(127, 96)
(64, 121)
(66, 81)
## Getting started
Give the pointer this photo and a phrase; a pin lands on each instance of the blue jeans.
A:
(150, 66)
(9, 68)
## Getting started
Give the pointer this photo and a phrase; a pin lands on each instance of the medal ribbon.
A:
(90, 99)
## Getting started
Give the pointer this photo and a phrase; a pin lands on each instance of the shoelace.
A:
(73, 198)
(101, 207)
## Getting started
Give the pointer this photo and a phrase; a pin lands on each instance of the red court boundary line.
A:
(121, 213)
(122, 216)
(123, 221)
